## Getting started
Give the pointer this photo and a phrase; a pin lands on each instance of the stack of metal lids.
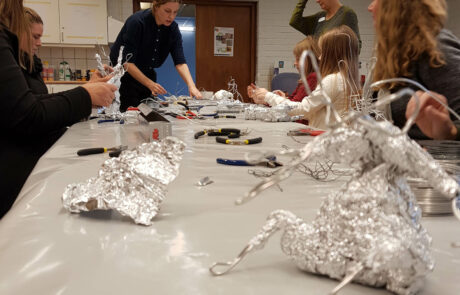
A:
(447, 153)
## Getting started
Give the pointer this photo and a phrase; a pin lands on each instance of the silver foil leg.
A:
(277, 220)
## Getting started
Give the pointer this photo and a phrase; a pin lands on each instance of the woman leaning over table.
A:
(26, 120)
(411, 42)
(149, 36)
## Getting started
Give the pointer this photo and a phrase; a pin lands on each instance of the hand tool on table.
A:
(230, 132)
(111, 120)
(269, 162)
(113, 151)
(224, 116)
(305, 132)
(238, 142)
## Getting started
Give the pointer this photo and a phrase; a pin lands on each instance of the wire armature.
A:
(233, 88)
(320, 171)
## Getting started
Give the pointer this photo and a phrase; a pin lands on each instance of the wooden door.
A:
(214, 72)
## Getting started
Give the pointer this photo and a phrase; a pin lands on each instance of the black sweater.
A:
(26, 120)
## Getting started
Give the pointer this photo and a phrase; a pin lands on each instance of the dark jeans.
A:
(132, 92)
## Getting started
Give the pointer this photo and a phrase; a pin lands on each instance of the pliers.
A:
(270, 162)
(305, 132)
(113, 151)
(230, 132)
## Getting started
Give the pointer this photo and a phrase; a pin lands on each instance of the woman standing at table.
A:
(411, 42)
(149, 36)
(26, 120)
(333, 15)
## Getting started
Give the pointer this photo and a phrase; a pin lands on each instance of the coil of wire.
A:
(447, 153)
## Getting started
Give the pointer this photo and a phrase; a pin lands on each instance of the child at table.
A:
(299, 93)
(339, 69)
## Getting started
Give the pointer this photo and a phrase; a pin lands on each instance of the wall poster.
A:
(223, 41)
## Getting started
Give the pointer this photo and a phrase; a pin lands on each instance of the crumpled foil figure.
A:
(278, 113)
(118, 71)
(369, 231)
(134, 184)
(223, 95)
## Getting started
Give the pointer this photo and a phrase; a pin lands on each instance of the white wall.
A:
(276, 38)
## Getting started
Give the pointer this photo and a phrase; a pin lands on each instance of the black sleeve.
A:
(444, 79)
(132, 36)
(177, 51)
(23, 113)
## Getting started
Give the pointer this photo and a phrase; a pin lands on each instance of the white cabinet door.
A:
(49, 12)
(83, 21)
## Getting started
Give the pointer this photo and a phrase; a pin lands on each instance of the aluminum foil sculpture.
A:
(278, 113)
(134, 184)
(369, 231)
(118, 72)
(223, 95)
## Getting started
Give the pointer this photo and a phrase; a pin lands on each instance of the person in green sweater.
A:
(334, 15)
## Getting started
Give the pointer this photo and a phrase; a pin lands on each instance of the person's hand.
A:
(97, 76)
(156, 88)
(102, 94)
(280, 93)
(251, 90)
(433, 118)
(259, 95)
(194, 92)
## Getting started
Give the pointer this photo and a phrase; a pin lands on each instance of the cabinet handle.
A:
(62, 36)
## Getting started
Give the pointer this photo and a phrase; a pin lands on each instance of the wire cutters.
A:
(111, 120)
(113, 151)
(230, 132)
(238, 142)
(270, 162)
(305, 132)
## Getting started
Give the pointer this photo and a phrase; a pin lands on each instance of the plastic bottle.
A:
(62, 71)
(50, 73)
(68, 74)
(44, 72)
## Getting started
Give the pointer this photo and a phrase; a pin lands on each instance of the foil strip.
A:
(134, 184)
(118, 71)
(371, 226)
(278, 113)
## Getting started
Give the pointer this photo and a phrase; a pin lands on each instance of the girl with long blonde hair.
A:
(411, 42)
(339, 69)
(309, 43)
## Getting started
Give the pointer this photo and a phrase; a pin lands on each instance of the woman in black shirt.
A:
(27, 119)
(149, 36)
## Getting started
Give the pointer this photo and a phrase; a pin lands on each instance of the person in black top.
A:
(149, 36)
(27, 119)
(33, 76)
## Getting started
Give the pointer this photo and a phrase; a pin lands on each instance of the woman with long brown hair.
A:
(411, 42)
(27, 120)
(149, 36)
(339, 69)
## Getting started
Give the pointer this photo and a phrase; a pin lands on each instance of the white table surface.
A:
(46, 250)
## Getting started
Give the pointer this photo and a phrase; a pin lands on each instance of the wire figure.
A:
(233, 88)
(369, 231)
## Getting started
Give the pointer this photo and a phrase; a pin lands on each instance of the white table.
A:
(46, 250)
